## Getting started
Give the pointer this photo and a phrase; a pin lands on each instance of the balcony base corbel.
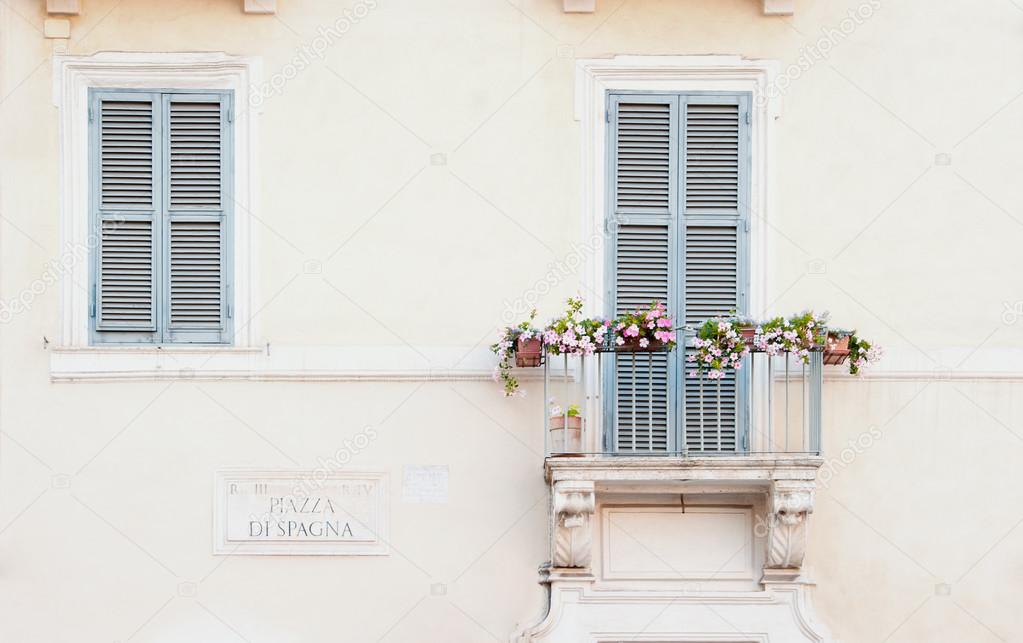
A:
(574, 504)
(791, 503)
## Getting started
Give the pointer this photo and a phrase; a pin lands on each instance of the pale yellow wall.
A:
(933, 261)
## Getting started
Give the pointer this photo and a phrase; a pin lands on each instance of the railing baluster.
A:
(650, 400)
(546, 400)
(719, 445)
(770, 403)
(816, 392)
(751, 400)
(803, 409)
(702, 431)
(635, 400)
(786, 402)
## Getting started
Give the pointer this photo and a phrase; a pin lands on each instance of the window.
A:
(678, 205)
(160, 213)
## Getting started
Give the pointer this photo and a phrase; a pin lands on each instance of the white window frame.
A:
(73, 77)
(594, 78)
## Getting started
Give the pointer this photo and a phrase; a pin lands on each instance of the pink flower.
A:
(632, 331)
(644, 342)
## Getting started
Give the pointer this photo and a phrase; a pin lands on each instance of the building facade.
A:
(254, 254)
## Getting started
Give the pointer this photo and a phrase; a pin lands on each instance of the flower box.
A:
(635, 345)
(836, 351)
(528, 352)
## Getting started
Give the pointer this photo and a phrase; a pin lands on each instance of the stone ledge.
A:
(757, 471)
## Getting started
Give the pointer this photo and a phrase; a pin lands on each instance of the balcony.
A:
(645, 430)
(649, 404)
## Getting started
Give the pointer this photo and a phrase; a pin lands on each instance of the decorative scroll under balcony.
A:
(648, 403)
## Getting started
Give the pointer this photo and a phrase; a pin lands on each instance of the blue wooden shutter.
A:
(125, 194)
(644, 196)
(715, 214)
(197, 162)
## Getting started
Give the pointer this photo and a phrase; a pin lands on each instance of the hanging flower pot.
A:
(528, 351)
(641, 345)
(836, 350)
(566, 431)
(520, 345)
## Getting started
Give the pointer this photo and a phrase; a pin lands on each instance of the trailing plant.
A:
(645, 326)
(861, 353)
(572, 334)
(798, 335)
(505, 348)
(719, 347)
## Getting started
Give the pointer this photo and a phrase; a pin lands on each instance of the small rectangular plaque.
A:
(300, 512)
(425, 484)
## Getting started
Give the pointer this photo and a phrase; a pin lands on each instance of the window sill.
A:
(278, 363)
(68, 364)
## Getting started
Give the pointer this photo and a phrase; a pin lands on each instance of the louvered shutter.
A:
(160, 176)
(125, 196)
(715, 170)
(644, 179)
(196, 260)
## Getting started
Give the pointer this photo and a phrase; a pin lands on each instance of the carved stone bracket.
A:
(791, 503)
(574, 504)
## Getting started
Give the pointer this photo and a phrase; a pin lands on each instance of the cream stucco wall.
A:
(418, 177)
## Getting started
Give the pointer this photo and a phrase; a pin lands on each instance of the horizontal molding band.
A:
(366, 364)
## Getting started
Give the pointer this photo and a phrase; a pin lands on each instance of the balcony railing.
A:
(649, 403)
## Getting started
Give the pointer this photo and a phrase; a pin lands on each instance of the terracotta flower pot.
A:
(527, 351)
(748, 333)
(566, 434)
(631, 345)
(836, 350)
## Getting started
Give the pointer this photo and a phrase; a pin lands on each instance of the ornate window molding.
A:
(73, 77)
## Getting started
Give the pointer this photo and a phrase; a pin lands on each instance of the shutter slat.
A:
(125, 283)
(126, 153)
(712, 149)
(643, 157)
(196, 279)
(195, 154)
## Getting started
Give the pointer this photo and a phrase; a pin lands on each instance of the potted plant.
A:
(799, 335)
(572, 334)
(836, 350)
(566, 429)
(521, 344)
(528, 344)
(747, 328)
(645, 329)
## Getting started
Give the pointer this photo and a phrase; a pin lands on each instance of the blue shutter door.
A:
(715, 198)
(125, 188)
(643, 179)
